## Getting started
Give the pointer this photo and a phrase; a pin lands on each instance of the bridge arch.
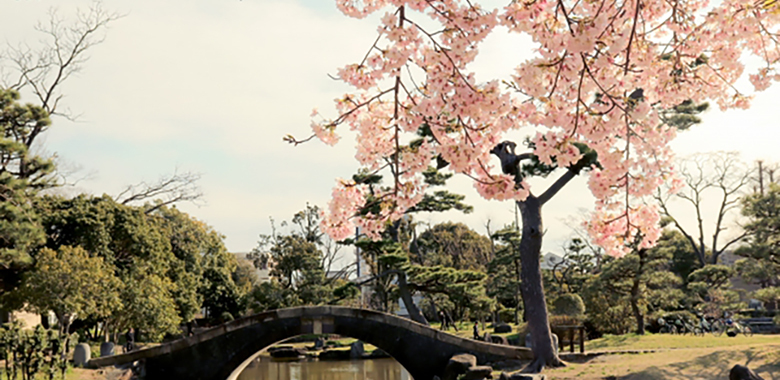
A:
(216, 353)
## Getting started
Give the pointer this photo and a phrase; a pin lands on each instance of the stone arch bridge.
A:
(220, 353)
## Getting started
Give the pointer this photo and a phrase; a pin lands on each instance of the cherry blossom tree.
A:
(603, 74)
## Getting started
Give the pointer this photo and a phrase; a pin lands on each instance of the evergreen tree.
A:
(22, 175)
(633, 284)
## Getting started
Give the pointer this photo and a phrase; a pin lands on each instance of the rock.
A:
(319, 343)
(529, 343)
(335, 355)
(378, 353)
(285, 352)
(106, 349)
(497, 339)
(458, 365)
(527, 376)
(81, 355)
(739, 372)
(502, 328)
(356, 350)
(478, 373)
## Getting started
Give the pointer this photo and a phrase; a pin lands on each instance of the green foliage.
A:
(298, 263)
(640, 279)
(711, 277)
(577, 265)
(454, 245)
(684, 260)
(569, 304)
(769, 295)
(464, 289)
(503, 283)
(22, 174)
(684, 115)
(220, 294)
(762, 251)
(161, 258)
(272, 295)
(30, 352)
(147, 304)
(71, 282)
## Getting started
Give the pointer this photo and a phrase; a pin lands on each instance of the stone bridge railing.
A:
(217, 353)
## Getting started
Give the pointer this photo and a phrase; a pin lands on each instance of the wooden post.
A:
(571, 340)
(582, 339)
(560, 341)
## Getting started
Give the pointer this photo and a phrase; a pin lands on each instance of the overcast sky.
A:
(213, 86)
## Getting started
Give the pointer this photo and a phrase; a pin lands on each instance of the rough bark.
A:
(635, 295)
(532, 289)
(534, 303)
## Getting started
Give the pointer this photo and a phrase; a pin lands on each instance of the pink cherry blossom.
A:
(576, 87)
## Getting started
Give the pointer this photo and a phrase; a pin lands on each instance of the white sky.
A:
(213, 86)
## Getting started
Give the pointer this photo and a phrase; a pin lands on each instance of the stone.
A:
(335, 355)
(378, 354)
(529, 343)
(81, 355)
(458, 365)
(527, 376)
(106, 349)
(462, 362)
(497, 339)
(739, 372)
(319, 343)
(356, 350)
(285, 352)
(478, 373)
(502, 328)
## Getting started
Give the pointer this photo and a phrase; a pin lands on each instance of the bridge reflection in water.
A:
(265, 368)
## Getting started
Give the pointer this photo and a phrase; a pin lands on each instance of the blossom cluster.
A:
(602, 74)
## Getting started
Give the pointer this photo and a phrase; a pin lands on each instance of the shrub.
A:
(569, 304)
(506, 315)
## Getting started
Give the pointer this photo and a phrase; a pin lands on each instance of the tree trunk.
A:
(532, 288)
(406, 296)
(517, 291)
(635, 294)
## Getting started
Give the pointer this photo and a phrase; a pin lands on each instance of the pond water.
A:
(265, 368)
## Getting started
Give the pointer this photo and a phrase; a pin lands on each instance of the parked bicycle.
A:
(712, 325)
(685, 327)
(738, 328)
(666, 328)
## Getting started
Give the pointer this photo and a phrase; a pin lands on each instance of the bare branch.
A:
(705, 173)
(168, 189)
(63, 53)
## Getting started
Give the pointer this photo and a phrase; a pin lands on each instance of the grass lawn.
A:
(679, 357)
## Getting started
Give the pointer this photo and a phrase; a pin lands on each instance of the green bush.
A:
(569, 304)
(507, 315)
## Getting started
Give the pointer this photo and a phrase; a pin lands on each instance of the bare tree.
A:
(63, 53)
(721, 173)
(169, 189)
(42, 71)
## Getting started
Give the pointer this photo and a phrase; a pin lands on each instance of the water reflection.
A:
(377, 369)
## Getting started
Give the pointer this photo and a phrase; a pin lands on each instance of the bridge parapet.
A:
(215, 353)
